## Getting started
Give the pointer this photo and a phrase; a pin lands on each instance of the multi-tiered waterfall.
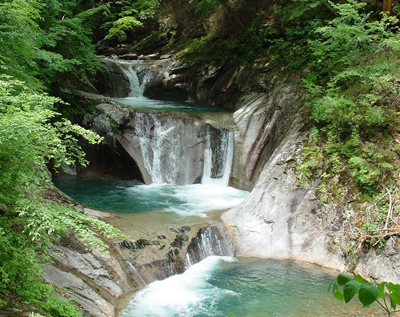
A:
(168, 236)
(174, 148)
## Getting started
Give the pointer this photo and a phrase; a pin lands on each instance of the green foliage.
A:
(41, 39)
(217, 48)
(295, 24)
(348, 39)
(206, 7)
(131, 16)
(347, 286)
(311, 159)
(121, 26)
(18, 34)
(354, 91)
(32, 135)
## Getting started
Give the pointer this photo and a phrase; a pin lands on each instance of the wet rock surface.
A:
(99, 282)
(90, 302)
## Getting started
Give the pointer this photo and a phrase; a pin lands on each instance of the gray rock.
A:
(129, 57)
(118, 113)
(175, 230)
(276, 219)
(101, 123)
(152, 56)
(382, 266)
(91, 303)
(96, 213)
(87, 265)
(111, 80)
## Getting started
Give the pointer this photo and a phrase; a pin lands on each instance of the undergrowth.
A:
(352, 75)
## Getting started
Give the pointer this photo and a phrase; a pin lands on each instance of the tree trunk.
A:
(387, 6)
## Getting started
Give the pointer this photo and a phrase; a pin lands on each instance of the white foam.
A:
(179, 295)
(191, 200)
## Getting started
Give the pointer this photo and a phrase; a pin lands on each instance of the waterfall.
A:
(146, 79)
(209, 241)
(207, 170)
(227, 158)
(160, 147)
(135, 89)
(218, 157)
(169, 157)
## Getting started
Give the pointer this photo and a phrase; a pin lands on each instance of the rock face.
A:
(91, 303)
(100, 284)
(382, 265)
(279, 221)
(111, 80)
(95, 281)
(264, 116)
(167, 148)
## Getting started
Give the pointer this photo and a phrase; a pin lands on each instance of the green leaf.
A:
(344, 278)
(350, 289)
(392, 302)
(333, 287)
(368, 294)
(394, 299)
(381, 294)
(381, 286)
(339, 295)
(360, 279)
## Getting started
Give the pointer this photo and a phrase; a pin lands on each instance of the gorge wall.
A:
(278, 219)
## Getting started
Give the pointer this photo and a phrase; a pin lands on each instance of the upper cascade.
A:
(172, 147)
(135, 89)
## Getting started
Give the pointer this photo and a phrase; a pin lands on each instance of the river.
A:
(220, 285)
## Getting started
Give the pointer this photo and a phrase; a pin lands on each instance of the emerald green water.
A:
(225, 286)
(217, 286)
(123, 196)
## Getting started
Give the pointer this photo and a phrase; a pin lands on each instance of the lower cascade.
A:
(210, 241)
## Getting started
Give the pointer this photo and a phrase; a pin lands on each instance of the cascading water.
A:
(214, 284)
(210, 241)
(160, 147)
(218, 158)
(135, 89)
